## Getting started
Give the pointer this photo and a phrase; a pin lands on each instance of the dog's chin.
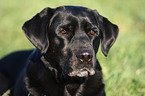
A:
(78, 76)
(82, 73)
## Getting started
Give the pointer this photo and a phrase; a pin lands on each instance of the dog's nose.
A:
(85, 55)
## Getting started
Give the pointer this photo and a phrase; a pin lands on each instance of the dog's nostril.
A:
(90, 56)
(85, 55)
(81, 56)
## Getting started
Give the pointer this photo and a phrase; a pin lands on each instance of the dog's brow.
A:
(54, 16)
(89, 22)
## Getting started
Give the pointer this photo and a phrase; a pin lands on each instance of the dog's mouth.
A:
(84, 72)
(78, 76)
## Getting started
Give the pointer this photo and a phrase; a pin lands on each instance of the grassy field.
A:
(123, 69)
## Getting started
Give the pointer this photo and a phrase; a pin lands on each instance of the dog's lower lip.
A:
(84, 72)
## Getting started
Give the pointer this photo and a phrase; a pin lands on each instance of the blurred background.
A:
(123, 69)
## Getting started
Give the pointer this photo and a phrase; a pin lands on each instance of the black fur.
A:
(64, 62)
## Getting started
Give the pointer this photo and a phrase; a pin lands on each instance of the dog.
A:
(64, 63)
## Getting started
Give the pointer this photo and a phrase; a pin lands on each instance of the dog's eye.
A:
(63, 31)
(92, 32)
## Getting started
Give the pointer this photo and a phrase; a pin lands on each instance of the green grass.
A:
(123, 69)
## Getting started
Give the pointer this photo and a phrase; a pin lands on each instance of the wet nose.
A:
(85, 55)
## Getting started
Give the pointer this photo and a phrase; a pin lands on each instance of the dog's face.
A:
(74, 38)
(69, 37)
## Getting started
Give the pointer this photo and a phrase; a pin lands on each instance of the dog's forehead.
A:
(73, 13)
(74, 10)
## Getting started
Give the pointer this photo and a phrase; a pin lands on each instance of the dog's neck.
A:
(74, 89)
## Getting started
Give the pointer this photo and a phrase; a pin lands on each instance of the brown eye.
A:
(63, 31)
(92, 32)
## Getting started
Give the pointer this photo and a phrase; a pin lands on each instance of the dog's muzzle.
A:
(83, 67)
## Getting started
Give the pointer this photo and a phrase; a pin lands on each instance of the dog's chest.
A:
(74, 89)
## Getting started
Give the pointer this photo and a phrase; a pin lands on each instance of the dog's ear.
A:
(109, 32)
(36, 29)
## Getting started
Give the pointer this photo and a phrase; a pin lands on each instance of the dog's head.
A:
(69, 38)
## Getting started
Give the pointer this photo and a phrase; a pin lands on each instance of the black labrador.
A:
(64, 62)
